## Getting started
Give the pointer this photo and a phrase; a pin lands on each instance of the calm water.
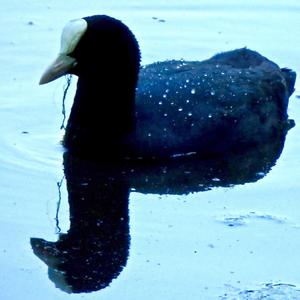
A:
(235, 237)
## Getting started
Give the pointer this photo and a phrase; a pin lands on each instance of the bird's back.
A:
(235, 99)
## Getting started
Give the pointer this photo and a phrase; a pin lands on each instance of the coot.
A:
(232, 101)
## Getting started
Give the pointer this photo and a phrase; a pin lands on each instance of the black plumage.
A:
(233, 101)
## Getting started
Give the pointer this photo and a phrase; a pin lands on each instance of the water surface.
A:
(232, 238)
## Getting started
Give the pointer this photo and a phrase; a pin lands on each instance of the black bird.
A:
(230, 102)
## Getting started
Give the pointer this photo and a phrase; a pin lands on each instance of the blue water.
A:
(216, 243)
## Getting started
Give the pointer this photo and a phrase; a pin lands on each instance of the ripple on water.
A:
(242, 220)
(31, 152)
(269, 291)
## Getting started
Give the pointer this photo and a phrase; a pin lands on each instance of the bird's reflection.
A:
(95, 249)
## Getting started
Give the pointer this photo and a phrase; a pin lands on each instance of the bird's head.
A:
(93, 45)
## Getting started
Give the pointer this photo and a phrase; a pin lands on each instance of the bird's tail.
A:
(290, 77)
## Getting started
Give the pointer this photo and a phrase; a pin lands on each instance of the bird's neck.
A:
(102, 112)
